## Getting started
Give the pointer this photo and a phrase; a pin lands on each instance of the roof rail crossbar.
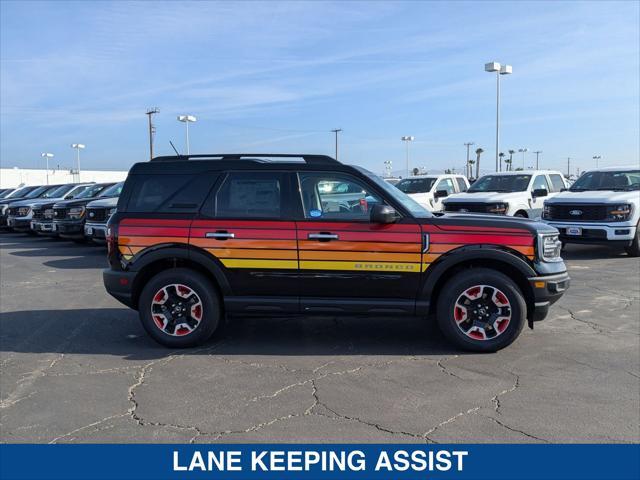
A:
(316, 159)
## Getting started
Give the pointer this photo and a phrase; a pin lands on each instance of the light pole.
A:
(406, 139)
(568, 167)
(596, 158)
(499, 70)
(336, 131)
(186, 119)
(78, 147)
(468, 166)
(537, 152)
(152, 129)
(523, 151)
(47, 156)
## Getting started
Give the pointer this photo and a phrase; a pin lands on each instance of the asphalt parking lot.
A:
(76, 366)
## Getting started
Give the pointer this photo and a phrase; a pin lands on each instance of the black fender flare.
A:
(186, 252)
(470, 253)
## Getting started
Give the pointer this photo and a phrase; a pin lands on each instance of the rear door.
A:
(342, 254)
(247, 227)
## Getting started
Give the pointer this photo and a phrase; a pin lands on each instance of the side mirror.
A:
(383, 214)
(564, 189)
(539, 192)
(440, 194)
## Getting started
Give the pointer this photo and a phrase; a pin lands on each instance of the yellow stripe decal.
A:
(361, 266)
(254, 263)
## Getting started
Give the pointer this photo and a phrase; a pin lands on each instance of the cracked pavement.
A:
(76, 366)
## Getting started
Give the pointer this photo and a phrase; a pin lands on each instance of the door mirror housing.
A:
(383, 214)
(440, 194)
(539, 192)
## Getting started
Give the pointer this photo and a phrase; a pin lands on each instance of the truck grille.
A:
(465, 207)
(97, 215)
(60, 213)
(584, 212)
(12, 211)
(38, 213)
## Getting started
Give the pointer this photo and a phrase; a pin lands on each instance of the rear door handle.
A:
(323, 236)
(220, 235)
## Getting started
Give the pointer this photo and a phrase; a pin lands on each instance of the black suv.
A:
(196, 237)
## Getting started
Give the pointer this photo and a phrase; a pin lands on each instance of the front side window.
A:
(557, 182)
(447, 185)
(540, 183)
(328, 196)
(250, 195)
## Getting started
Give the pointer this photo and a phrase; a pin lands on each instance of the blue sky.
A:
(278, 76)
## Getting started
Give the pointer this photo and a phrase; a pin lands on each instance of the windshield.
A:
(57, 192)
(92, 191)
(37, 192)
(75, 191)
(112, 191)
(406, 201)
(416, 185)
(6, 192)
(19, 192)
(622, 180)
(501, 183)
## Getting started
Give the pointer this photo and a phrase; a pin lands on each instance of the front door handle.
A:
(220, 235)
(323, 236)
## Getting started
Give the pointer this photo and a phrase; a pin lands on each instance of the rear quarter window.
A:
(165, 193)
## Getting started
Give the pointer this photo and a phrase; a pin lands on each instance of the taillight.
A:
(112, 241)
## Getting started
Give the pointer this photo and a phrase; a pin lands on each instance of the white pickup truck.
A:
(601, 207)
(429, 190)
(518, 193)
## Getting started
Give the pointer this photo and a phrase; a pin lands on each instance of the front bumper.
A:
(75, 229)
(96, 231)
(120, 285)
(547, 290)
(19, 224)
(595, 233)
(42, 226)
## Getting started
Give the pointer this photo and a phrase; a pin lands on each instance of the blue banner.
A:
(334, 461)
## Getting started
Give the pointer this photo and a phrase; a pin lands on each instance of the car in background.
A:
(99, 212)
(20, 213)
(516, 194)
(5, 191)
(601, 207)
(392, 180)
(428, 190)
(69, 215)
(17, 195)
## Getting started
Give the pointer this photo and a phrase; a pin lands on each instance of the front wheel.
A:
(481, 310)
(179, 308)
(633, 250)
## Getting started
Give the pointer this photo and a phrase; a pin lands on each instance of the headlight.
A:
(23, 211)
(112, 211)
(48, 213)
(618, 213)
(76, 213)
(549, 248)
(499, 208)
(3, 208)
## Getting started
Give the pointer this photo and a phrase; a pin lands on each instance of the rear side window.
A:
(558, 183)
(250, 195)
(168, 193)
(462, 186)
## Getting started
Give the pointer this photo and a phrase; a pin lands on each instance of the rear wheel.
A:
(481, 310)
(179, 308)
(521, 214)
(633, 250)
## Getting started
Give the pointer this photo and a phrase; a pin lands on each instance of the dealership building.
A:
(16, 177)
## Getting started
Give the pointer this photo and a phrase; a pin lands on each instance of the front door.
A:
(342, 254)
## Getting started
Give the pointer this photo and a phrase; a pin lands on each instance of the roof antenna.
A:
(174, 148)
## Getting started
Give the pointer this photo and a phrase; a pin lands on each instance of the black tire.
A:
(521, 215)
(203, 288)
(633, 250)
(465, 280)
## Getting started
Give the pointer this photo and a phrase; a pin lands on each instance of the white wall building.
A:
(14, 177)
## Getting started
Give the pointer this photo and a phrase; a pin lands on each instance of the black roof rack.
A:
(255, 157)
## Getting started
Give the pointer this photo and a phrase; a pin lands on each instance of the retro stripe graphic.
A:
(286, 245)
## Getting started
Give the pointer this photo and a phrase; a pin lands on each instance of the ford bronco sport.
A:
(197, 237)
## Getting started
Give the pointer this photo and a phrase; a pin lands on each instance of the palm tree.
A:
(478, 153)
(501, 155)
(470, 169)
(511, 152)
